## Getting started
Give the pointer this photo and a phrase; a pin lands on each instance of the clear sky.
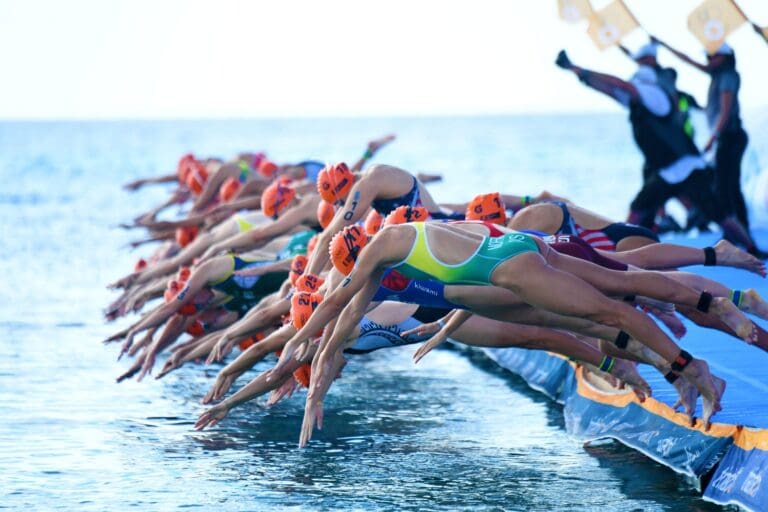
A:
(105, 59)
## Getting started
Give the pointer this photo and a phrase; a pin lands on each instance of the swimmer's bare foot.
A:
(709, 409)
(752, 302)
(377, 144)
(728, 255)
(627, 373)
(669, 319)
(687, 394)
(727, 311)
(697, 372)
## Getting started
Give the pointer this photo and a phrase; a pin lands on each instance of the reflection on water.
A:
(454, 432)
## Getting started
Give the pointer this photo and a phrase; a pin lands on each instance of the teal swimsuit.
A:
(477, 269)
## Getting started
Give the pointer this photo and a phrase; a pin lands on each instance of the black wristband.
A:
(704, 301)
(622, 340)
(671, 377)
(681, 361)
(629, 298)
(710, 258)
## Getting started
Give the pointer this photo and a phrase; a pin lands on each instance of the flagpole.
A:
(733, 2)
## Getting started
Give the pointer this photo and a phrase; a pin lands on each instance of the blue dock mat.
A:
(737, 444)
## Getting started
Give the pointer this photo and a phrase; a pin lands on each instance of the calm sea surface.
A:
(454, 433)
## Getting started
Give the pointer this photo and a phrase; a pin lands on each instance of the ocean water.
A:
(453, 433)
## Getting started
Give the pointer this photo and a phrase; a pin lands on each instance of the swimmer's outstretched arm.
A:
(163, 225)
(260, 316)
(213, 184)
(196, 282)
(318, 388)
(344, 295)
(246, 360)
(260, 235)
(173, 328)
(188, 351)
(265, 382)
(137, 184)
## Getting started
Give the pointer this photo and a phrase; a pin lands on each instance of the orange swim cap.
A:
(403, 214)
(197, 177)
(185, 235)
(373, 222)
(309, 283)
(325, 213)
(312, 244)
(140, 265)
(303, 304)
(345, 248)
(298, 264)
(228, 189)
(250, 341)
(196, 329)
(267, 168)
(487, 207)
(184, 168)
(183, 274)
(276, 198)
(172, 289)
(334, 182)
(303, 374)
(187, 310)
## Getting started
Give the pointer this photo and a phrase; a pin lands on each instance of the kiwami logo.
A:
(751, 484)
(424, 289)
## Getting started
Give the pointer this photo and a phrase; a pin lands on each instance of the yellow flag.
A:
(574, 10)
(610, 24)
(713, 20)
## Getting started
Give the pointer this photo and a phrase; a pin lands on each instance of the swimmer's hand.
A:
(212, 416)
(126, 344)
(422, 330)
(124, 282)
(224, 381)
(433, 342)
(173, 362)
(117, 336)
(286, 357)
(313, 413)
(135, 367)
(285, 390)
(221, 349)
(135, 185)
